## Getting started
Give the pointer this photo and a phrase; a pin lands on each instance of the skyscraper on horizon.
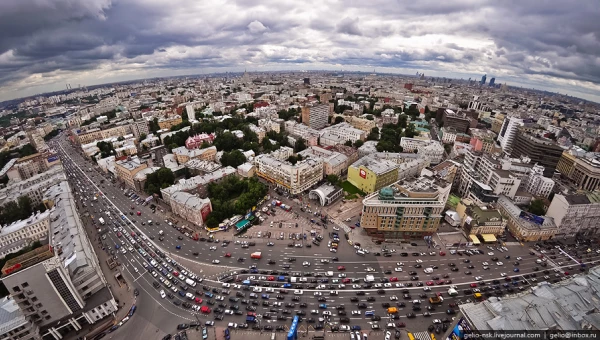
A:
(492, 82)
(482, 82)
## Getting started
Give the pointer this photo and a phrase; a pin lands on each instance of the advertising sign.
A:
(11, 269)
(531, 217)
(205, 211)
(363, 173)
(52, 158)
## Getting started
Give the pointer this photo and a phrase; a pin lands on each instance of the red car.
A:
(139, 213)
(119, 234)
(439, 282)
(346, 280)
(205, 309)
(341, 268)
(198, 301)
(393, 279)
(176, 273)
(442, 253)
(227, 255)
(507, 278)
(566, 273)
(473, 285)
(271, 278)
(429, 283)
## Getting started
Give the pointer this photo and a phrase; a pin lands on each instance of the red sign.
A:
(11, 269)
(363, 173)
(205, 211)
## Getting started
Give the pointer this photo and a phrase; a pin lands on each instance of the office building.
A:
(60, 286)
(538, 185)
(326, 194)
(524, 226)
(568, 305)
(431, 149)
(459, 121)
(316, 117)
(190, 207)
(139, 127)
(310, 135)
(370, 174)
(581, 167)
(484, 141)
(540, 150)
(127, 168)
(492, 82)
(293, 178)
(576, 214)
(406, 209)
(508, 132)
(482, 82)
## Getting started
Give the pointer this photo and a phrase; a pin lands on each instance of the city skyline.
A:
(48, 44)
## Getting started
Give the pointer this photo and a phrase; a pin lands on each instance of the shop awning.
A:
(474, 239)
(242, 224)
(488, 238)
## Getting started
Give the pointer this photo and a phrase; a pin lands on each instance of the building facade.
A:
(576, 214)
(127, 168)
(191, 207)
(293, 178)
(169, 122)
(524, 228)
(316, 116)
(406, 209)
(370, 174)
(540, 150)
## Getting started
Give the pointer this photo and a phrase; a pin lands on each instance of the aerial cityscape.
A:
(293, 182)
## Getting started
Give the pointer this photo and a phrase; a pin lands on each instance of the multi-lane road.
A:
(320, 293)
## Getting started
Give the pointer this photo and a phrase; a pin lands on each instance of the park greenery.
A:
(233, 196)
(160, 179)
(20, 209)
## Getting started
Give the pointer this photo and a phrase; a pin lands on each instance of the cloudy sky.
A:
(545, 44)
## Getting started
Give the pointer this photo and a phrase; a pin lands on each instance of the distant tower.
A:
(492, 81)
(306, 81)
(482, 82)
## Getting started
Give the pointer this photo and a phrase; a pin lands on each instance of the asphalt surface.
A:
(165, 314)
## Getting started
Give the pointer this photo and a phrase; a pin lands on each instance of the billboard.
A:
(363, 173)
(52, 158)
(531, 217)
(205, 211)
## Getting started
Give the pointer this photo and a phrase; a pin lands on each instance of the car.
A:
(216, 261)
(499, 263)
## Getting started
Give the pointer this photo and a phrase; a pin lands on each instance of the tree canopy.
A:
(159, 179)
(233, 158)
(20, 209)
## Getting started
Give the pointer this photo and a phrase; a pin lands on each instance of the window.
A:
(16, 289)
(25, 285)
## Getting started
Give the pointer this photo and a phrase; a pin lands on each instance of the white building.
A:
(508, 132)
(428, 148)
(537, 184)
(575, 214)
(345, 131)
(19, 234)
(293, 178)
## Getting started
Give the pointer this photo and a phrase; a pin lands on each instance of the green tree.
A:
(348, 143)
(233, 158)
(300, 145)
(333, 179)
(339, 119)
(143, 136)
(536, 207)
(369, 117)
(358, 143)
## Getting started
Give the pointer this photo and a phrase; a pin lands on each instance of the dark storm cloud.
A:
(555, 39)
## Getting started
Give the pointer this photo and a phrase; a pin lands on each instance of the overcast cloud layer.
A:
(546, 44)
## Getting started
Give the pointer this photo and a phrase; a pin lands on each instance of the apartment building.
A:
(407, 209)
(259, 131)
(60, 286)
(310, 135)
(524, 226)
(427, 148)
(345, 132)
(139, 127)
(370, 174)
(294, 179)
(13, 323)
(169, 122)
(538, 185)
(576, 214)
(127, 168)
(91, 135)
(184, 155)
(363, 124)
(190, 207)
(348, 151)
(197, 184)
(316, 116)
(498, 122)
(334, 163)
(484, 141)
(19, 234)
(33, 187)
(194, 142)
(582, 168)
(447, 135)
(540, 150)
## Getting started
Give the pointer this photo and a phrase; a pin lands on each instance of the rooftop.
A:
(378, 166)
(11, 316)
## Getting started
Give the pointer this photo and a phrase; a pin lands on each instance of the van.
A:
(360, 252)
(190, 282)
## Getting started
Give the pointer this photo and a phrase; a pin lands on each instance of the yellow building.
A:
(183, 155)
(168, 122)
(127, 168)
(370, 174)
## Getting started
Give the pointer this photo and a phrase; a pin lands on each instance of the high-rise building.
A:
(542, 151)
(406, 209)
(482, 82)
(508, 132)
(492, 82)
(293, 178)
(316, 116)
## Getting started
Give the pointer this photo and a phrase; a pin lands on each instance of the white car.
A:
(393, 298)
(324, 260)
(499, 263)
(370, 269)
(503, 274)
(491, 253)
(399, 264)
(356, 287)
(216, 261)
(387, 285)
(397, 269)
(342, 275)
(298, 292)
(306, 264)
(437, 321)
(485, 264)
(356, 312)
(419, 261)
(213, 248)
(478, 278)
(426, 289)
(162, 294)
(519, 258)
(318, 294)
(336, 228)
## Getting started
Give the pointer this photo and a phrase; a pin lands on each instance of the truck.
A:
(369, 278)
(294, 279)
(436, 300)
(101, 220)
(256, 255)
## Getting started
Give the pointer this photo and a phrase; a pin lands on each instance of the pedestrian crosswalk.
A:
(422, 336)
(342, 225)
